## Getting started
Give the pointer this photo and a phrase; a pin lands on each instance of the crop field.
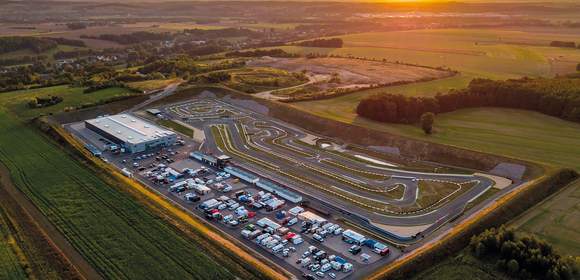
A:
(10, 267)
(556, 220)
(115, 233)
(481, 52)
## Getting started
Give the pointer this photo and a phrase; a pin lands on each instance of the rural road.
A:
(167, 91)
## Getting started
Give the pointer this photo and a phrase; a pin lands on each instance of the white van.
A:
(277, 248)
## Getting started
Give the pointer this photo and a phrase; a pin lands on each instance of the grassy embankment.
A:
(151, 84)
(176, 127)
(117, 235)
(253, 80)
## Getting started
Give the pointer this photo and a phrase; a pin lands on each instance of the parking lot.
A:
(238, 207)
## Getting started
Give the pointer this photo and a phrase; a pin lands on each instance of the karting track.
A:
(369, 191)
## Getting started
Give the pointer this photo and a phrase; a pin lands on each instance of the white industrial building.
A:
(131, 133)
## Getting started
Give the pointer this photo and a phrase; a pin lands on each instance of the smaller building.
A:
(353, 237)
(265, 222)
(216, 161)
(154, 112)
(94, 150)
(311, 217)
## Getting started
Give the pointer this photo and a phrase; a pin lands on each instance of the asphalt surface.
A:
(290, 156)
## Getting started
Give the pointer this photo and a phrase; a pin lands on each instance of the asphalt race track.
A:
(361, 188)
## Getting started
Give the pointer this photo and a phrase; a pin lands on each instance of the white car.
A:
(228, 218)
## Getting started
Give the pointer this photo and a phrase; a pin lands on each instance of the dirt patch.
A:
(352, 71)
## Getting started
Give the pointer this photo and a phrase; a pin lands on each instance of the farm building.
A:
(131, 133)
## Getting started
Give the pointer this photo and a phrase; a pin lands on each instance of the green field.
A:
(49, 53)
(114, 232)
(460, 267)
(73, 96)
(176, 127)
(10, 267)
(556, 220)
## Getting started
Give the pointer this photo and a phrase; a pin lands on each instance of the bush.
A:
(40, 102)
(427, 120)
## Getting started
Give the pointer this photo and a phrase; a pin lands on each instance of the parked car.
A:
(355, 249)
(318, 238)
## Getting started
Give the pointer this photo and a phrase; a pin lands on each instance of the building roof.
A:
(309, 216)
(154, 111)
(130, 129)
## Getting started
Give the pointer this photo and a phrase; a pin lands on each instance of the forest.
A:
(131, 38)
(34, 44)
(558, 97)
(522, 257)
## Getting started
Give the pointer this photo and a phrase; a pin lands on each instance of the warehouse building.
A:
(131, 133)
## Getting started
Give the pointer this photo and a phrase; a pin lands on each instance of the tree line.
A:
(132, 38)
(322, 43)
(563, 44)
(260, 53)
(222, 33)
(558, 97)
(35, 44)
(523, 257)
